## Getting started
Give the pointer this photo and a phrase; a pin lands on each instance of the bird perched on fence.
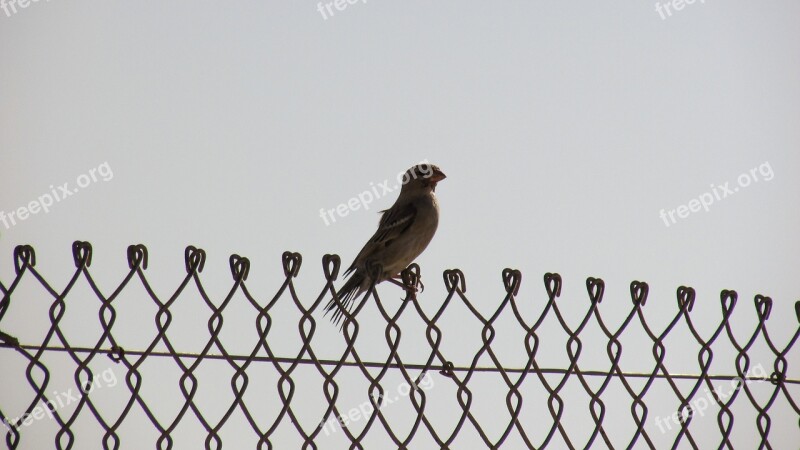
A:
(404, 231)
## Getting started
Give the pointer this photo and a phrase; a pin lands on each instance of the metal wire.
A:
(38, 375)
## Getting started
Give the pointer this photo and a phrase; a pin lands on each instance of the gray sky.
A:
(564, 129)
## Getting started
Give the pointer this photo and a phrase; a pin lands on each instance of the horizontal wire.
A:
(332, 362)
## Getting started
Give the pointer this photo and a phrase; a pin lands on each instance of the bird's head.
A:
(422, 177)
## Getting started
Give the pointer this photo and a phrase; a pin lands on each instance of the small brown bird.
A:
(404, 231)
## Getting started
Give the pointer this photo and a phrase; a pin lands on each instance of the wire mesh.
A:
(550, 414)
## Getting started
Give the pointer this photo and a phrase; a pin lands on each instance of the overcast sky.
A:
(583, 138)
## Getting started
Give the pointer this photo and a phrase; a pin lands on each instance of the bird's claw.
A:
(412, 290)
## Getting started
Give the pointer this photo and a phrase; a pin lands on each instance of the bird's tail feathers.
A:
(347, 294)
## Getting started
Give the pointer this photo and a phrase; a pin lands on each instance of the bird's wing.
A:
(393, 223)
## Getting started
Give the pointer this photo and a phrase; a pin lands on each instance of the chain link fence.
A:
(536, 406)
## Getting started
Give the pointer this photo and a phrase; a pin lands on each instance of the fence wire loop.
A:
(512, 279)
(137, 256)
(195, 259)
(24, 257)
(330, 266)
(552, 283)
(728, 299)
(596, 287)
(291, 263)
(639, 291)
(454, 280)
(686, 298)
(763, 306)
(412, 279)
(82, 254)
(240, 267)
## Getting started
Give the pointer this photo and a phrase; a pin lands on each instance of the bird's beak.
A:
(438, 176)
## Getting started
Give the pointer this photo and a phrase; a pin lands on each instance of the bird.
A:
(404, 231)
